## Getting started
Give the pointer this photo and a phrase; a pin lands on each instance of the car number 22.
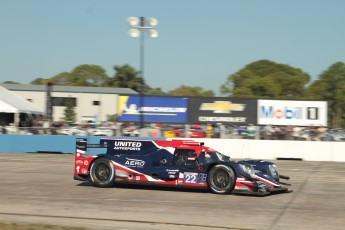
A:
(191, 178)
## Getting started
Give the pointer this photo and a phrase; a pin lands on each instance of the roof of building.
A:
(12, 103)
(70, 89)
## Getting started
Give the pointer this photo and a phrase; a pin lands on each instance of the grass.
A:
(12, 226)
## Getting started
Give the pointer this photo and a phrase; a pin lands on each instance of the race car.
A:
(181, 163)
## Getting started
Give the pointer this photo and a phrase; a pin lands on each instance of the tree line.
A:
(260, 79)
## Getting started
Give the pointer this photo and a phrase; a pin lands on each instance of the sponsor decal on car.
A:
(202, 177)
(127, 145)
(191, 178)
(134, 162)
(81, 140)
(172, 170)
(78, 162)
(80, 153)
(241, 187)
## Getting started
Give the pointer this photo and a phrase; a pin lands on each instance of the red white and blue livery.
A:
(181, 163)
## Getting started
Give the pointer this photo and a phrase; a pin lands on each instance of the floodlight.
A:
(152, 21)
(153, 33)
(133, 21)
(138, 26)
(134, 33)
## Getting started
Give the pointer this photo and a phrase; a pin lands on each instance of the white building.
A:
(91, 103)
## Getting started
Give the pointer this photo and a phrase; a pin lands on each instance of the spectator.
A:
(268, 130)
(251, 130)
(296, 132)
(3, 129)
(313, 133)
(321, 133)
(209, 131)
(216, 131)
(288, 132)
(282, 133)
(240, 131)
(276, 133)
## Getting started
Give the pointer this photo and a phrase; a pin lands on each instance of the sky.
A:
(200, 43)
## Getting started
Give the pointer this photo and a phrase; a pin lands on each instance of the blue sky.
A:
(200, 43)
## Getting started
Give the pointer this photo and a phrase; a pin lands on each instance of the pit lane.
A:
(39, 188)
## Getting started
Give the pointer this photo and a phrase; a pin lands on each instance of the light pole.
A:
(138, 26)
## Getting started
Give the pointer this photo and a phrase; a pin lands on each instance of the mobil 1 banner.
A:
(152, 109)
(223, 110)
(289, 112)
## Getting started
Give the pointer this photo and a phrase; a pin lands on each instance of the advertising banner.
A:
(152, 109)
(288, 112)
(223, 110)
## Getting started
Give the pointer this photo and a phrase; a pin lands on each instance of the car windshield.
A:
(211, 157)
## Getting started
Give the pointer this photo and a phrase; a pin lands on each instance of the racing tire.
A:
(102, 173)
(221, 179)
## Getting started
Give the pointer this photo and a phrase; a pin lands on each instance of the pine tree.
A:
(70, 116)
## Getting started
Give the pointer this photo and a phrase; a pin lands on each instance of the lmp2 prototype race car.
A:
(181, 163)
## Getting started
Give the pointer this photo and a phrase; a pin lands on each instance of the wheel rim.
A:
(220, 179)
(102, 172)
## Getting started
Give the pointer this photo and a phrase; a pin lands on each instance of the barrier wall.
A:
(273, 149)
(45, 143)
(39, 143)
(236, 148)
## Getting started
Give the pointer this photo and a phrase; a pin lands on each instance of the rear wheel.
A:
(102, 173)
(221, 179)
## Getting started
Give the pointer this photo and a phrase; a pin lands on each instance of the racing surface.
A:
(39, 188)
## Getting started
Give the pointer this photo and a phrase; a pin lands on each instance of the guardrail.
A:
(236, 148)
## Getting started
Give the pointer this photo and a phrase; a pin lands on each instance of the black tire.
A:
(221, 179)
(102, 173)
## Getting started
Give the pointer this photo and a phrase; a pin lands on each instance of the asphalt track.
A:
(39, 188)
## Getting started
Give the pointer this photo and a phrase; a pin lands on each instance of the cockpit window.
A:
(211, 157)
(181, 157)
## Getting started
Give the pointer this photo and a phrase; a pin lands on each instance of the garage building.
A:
(92, 104)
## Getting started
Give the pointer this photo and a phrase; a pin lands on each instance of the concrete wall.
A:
(273, 149)
(46, 143)
(235, 148)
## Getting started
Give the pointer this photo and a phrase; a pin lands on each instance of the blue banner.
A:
(152, 109)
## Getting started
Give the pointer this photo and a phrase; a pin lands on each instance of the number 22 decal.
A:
(190, 178)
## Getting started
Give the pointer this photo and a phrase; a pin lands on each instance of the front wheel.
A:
(221, 179)
(102, 173)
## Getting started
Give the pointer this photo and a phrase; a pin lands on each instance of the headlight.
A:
(248, 169)
(274, 171)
